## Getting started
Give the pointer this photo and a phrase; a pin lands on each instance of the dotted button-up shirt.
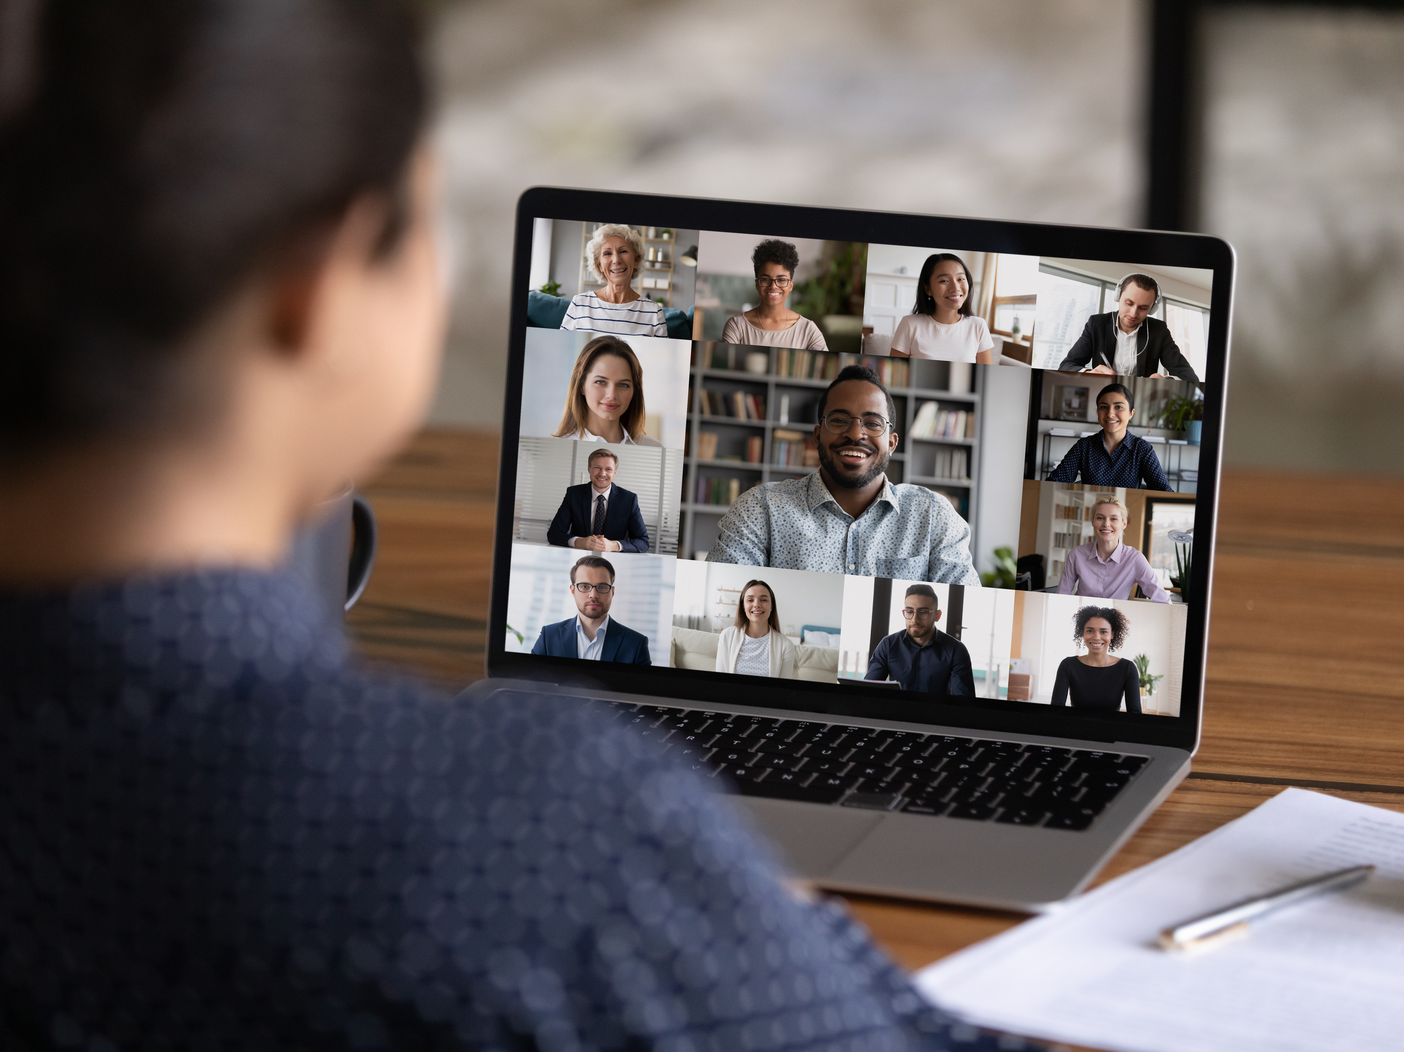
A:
(908, 532)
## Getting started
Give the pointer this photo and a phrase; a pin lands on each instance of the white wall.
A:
(727, 253)
(801, 598)
(1003, 436)
(551, 355)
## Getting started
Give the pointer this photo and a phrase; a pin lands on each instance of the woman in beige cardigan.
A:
(755, 646)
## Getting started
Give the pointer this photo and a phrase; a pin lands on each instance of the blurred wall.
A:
(1304, 174)
(970, 107)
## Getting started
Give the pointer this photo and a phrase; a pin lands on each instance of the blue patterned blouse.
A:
(217, 833)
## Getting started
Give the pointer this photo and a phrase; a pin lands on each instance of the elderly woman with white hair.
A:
(615, 253)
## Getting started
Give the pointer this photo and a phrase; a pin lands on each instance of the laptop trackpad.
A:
(811, 839)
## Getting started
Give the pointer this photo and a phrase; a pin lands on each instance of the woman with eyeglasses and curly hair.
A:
(1096, 680)
(772, 323)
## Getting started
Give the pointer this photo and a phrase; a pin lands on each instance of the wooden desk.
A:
(1306, 659)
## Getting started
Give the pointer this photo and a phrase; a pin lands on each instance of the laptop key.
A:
(1079, 819)
(1022, 816)
(872, 801)
(778, 789)
(925, 805)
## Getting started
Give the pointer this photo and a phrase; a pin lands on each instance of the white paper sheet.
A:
(1328, 974)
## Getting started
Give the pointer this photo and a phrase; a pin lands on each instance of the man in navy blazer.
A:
(598, 515)
(592, 635)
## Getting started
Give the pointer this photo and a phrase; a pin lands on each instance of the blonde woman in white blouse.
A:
(755, 646)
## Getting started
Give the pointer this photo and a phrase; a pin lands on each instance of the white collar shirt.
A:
(588, 649)
(1125, 364)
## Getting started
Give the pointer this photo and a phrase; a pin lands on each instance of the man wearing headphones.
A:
(1127, 341)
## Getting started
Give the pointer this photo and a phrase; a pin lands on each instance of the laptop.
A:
(898, 528)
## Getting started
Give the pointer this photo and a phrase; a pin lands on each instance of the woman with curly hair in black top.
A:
(1096, 680)
(773, 324)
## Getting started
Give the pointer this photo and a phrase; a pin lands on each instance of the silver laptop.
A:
(897, 527)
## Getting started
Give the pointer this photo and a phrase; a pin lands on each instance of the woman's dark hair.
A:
(1120, 389)
(775, 251)
(925, 302)
(742, 619)
(1120, 623)
(156, 157)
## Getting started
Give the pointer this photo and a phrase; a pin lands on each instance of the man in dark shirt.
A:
(599, 515)
(923, 658)
(1115, 457)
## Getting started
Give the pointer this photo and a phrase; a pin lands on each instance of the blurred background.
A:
(1279, 126)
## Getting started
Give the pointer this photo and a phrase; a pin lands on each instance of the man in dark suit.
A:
(598, 515)
(1127, 341)
(591, 635)
(923, 658)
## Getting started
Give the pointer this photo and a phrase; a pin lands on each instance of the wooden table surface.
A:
(1306, 655)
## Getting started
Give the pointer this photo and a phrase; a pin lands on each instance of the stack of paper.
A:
(1327, 974)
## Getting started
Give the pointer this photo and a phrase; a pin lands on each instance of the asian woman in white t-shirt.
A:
(941, 325)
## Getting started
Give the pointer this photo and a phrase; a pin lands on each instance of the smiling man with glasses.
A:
(591, 635)
(847, 517)
(922, 657)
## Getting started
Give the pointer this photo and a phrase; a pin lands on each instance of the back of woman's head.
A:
(155, 156)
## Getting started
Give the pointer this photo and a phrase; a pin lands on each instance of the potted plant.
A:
(833, 297)
(1005, 570)
(1148, 682)
(1184, 414)
(1184, 560)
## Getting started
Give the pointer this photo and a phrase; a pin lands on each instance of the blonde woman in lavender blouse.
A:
(1106, 568)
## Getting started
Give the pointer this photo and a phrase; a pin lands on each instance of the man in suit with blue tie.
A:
(598, 515)
(591, 635)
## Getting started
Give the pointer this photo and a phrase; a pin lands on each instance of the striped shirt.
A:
(1133, 465)
(642, 317)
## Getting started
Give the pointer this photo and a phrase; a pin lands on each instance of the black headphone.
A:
(1121, 287)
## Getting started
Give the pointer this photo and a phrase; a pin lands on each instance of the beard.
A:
(848, 481)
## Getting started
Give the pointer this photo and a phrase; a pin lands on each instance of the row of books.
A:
(737, 404)
(707, 448)
(793, 449)
(931, 421)
(952, 464)
(822, 365)
(1067, 540)
(1072, 511)
(718, 491)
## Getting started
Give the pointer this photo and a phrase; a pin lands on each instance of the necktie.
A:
(597, 527)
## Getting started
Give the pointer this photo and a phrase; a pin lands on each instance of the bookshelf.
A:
(654, 278)
(751, 407)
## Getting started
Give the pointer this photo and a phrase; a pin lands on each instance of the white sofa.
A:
(698, 651)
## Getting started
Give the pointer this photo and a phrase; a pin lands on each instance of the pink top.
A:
(1087, 573)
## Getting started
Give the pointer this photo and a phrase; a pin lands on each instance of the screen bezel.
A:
(891, 228)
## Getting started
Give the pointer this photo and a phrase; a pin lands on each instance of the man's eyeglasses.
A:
(779, 283)
(873, 424)
(923, 613)
(585, 588)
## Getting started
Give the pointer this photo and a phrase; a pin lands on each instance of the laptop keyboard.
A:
(909, 771)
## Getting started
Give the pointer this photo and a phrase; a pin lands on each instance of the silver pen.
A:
(1232, 921)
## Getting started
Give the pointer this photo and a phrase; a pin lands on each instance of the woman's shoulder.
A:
(977, 323)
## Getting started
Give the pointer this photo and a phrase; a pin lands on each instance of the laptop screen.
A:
(765, 464)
